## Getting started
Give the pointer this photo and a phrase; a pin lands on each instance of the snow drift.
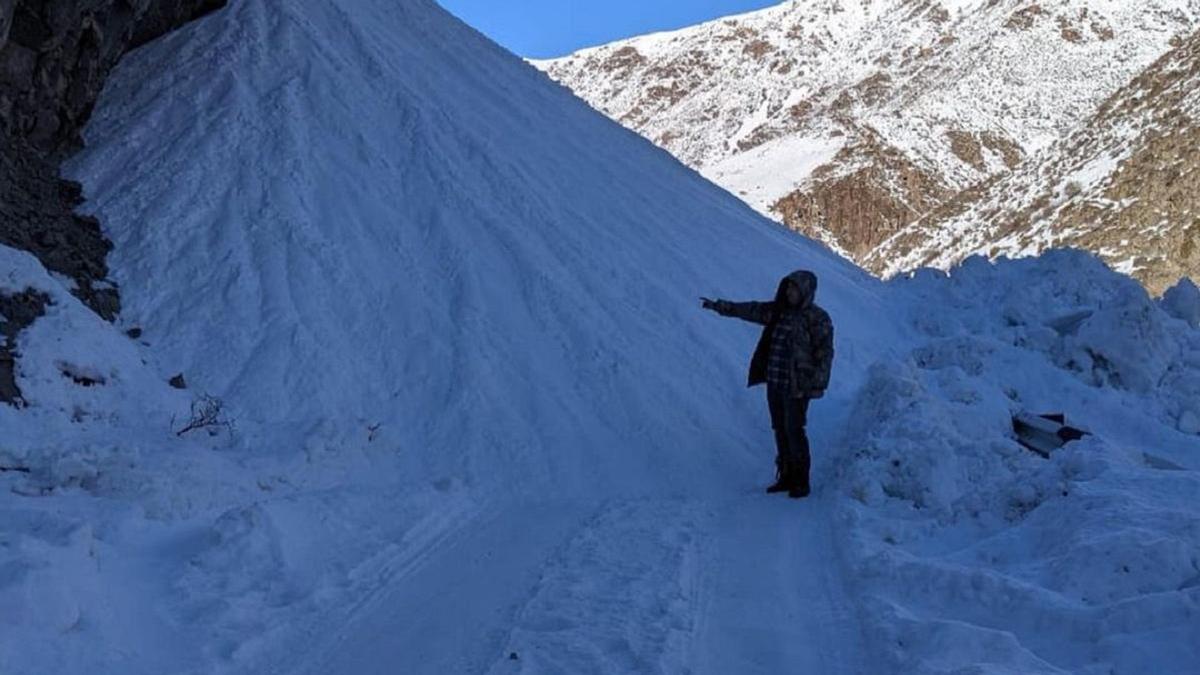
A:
(974, 551)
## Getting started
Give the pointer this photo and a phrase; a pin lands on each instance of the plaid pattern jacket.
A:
(796, 345)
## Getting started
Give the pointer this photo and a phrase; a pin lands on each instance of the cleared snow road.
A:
(449, 614)
(745, 584)
(776, 602)
(739, 582)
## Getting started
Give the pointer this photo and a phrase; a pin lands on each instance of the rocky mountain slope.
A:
(54, 58)
(851, 121)
(1125, 185)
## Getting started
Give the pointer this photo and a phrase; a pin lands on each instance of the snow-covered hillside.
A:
(473, 419)
(1126, 185)
(851, 120)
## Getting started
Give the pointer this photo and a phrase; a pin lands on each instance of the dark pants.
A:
(789, 417)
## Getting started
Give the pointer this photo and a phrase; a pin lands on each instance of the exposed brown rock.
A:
(1158, 189)
(874, 88)
(758, 48)
(666, 95)
(762, 134)
(870, 193)
(801, 110)
(1069, 31)
(969, 146)
(966, 146)
(1103, 31)
(869, 90)
(1008, 148)
(739, 32)
(692, 65)
(1025, 18)
(862, 207)
(917, 234)
(625, 58)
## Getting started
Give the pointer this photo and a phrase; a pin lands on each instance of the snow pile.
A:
(1182, 301)
(467, 260)
(975, 551)
(48, 573)
(74, 365)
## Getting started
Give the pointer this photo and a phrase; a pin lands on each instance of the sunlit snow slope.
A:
(454, 315)
(365, 213)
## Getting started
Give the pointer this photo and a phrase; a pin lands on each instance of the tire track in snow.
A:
(620, 597)
(369, 583)
(747, 584)
(742, 585)
(447, 607)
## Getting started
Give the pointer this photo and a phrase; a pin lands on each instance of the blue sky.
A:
(545, 28)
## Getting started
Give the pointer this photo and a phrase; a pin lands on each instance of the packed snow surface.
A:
(473, 420)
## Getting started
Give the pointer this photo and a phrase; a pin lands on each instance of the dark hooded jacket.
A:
(811, 348)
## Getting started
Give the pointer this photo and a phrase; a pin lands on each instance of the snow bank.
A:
(77, 373)
(1182, 301)
(976, 552)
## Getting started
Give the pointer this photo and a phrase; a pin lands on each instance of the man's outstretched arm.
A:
(754, 312)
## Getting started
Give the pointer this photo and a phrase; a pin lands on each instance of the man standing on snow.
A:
(794, 357)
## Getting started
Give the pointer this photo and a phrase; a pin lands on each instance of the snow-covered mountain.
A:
(1126, 185)
(852, 120)
(420, 382)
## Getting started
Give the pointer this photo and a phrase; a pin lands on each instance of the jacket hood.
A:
(804, 280)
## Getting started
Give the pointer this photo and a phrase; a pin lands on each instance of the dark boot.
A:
(783, 479)
(799, 488)
(801, 463)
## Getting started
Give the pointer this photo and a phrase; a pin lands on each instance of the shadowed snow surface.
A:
(352, 215)
(367, 213)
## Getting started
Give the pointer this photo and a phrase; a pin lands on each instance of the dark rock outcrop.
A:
(37, 215)
(54, 58)
(58, 53)
(17, 311)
